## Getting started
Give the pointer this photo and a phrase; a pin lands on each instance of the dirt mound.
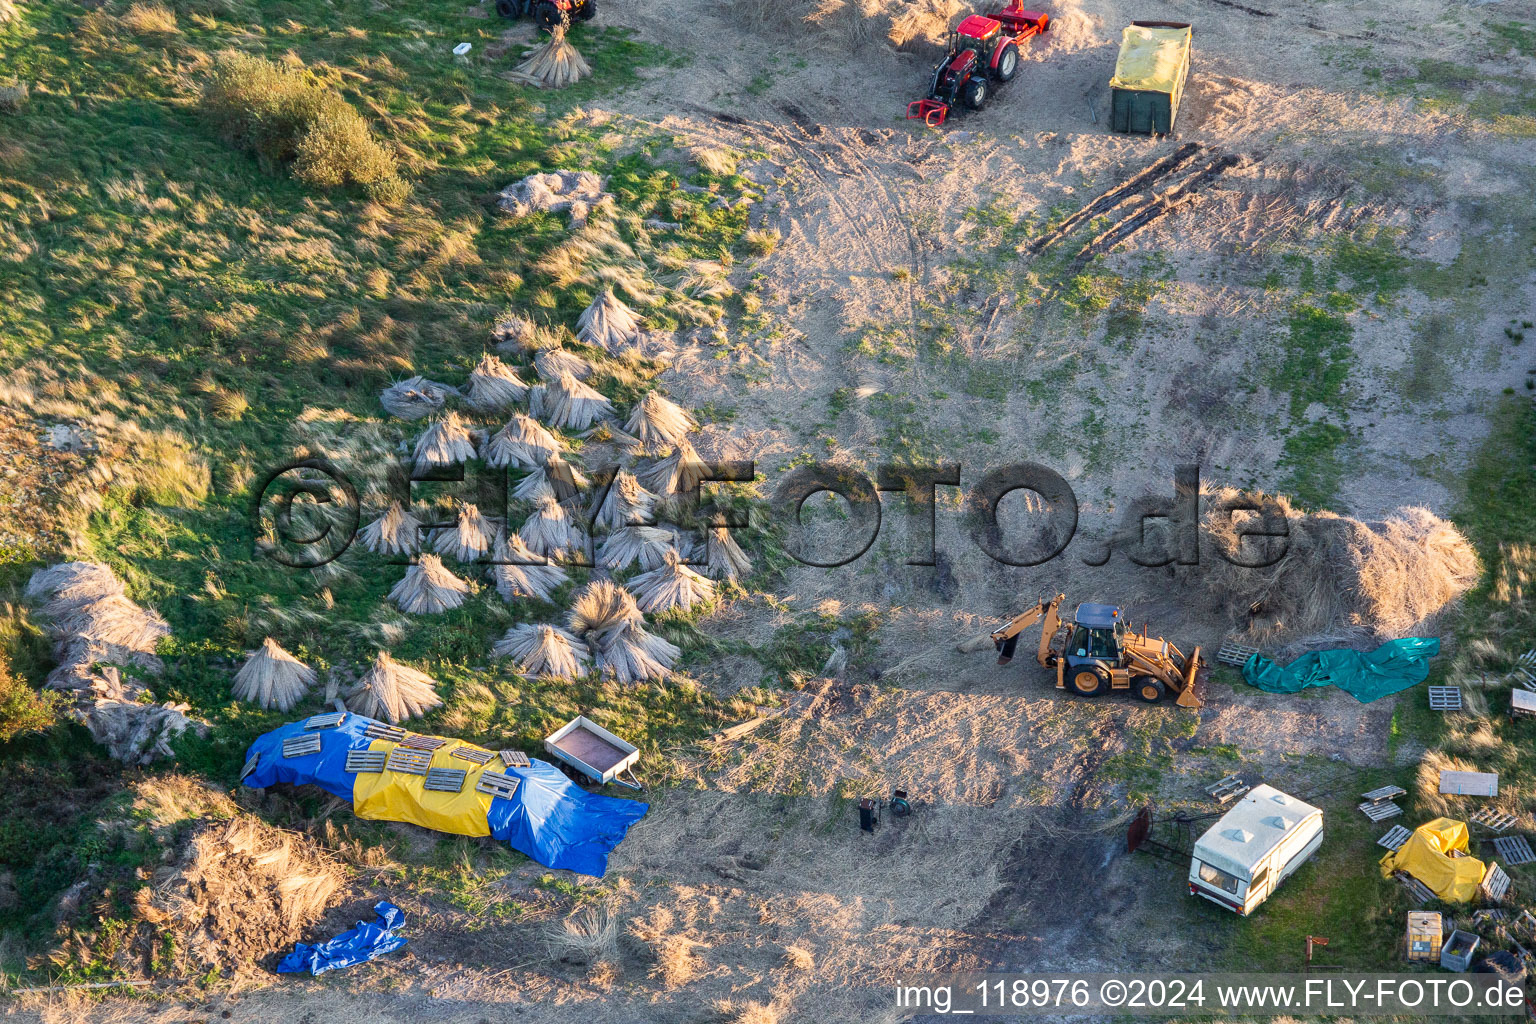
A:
(1338, 581)
(231, 889)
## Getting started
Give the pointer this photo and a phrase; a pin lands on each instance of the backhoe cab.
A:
(1097, 651)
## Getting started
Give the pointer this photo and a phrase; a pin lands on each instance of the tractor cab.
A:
(976, 33)
(1097, 631)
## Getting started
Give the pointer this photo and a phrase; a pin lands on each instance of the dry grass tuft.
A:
(797, 958)
(589, 936)
(13, 95)
(676, 962)
(150, 19)
(1427, 796)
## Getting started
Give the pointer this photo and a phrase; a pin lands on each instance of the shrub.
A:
(13, 95)
(285, 115)
(23, 709)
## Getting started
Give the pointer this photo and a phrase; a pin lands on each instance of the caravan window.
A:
(1212, 875)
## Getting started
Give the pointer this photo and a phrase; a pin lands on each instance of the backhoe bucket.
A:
(930, 112)
(1187, 698)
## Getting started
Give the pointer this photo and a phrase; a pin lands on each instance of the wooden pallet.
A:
(1384, 793)
(329, 720)
(1445, 698)
(1234, 653)
(1227, 788)
(416, 741)
(515, 759)
(1417, 890)
(474, 755)
(1514, 849)
(381, 731)
(1396, 836)
(250, 766)
(497, 784)
(1524, 672)
(412, 762)
(1495, 882)
(370, 761)
(445, 780)
(301, 746)
(1493, 820)
(1380, 810)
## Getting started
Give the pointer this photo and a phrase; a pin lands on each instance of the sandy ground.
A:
(1017, 808)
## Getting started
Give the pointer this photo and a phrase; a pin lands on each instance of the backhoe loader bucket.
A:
(1187, 697)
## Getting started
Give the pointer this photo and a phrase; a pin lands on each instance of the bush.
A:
(23, 709)
(13, 95)
(284, 115)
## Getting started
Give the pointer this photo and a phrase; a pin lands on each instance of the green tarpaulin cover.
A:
(1364, 675)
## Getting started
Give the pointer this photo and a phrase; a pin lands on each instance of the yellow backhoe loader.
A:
(1097, 651)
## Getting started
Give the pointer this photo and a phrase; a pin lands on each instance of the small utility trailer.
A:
(592, 751)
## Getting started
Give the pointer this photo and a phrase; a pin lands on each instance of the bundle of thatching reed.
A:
(601, 611)
(429, 588)
(554, 64)
(672, 585)
(396, 532)
(658, 423)
(568, 404)
(539, 649)
(556, 476)
(493, 386)
(513, 334)
(549, 529)
(678, 473)
(624, 503)
(134, 732)
(521, 572)
(550, 363)
(724, 559)
(627, 545)
(523, 443)
(445, 443)
(470, 537)
(609, 324)
(636, 655)
(606, 616)
(415, 397)
(273, 678)
(393, 692)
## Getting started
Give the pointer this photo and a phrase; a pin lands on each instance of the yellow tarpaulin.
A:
(1427, 856)
(1151, 59)
(398, 796)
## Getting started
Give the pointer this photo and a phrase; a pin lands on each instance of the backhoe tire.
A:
(1087, 681)
(1008, 63)
(975, 93)
(1148, 688)
(550, 17)
(509, 9)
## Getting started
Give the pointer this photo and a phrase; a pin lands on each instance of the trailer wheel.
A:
(509, 9)
(1008, 63)
(1149, 688)
(551, 17)
(1088, 681)
(975, 93)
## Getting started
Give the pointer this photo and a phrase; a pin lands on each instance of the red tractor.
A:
(982, 50)
(550, 14)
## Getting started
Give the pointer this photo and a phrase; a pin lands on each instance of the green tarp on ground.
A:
(1364, 675)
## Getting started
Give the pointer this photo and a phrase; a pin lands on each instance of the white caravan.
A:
(1253, 848)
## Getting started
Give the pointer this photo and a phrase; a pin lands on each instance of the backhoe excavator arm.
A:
(1006, 640)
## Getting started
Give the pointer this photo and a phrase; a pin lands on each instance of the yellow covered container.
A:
(1149, 76)
(1437, 855)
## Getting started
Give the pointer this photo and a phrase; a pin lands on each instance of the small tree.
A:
(23, 709)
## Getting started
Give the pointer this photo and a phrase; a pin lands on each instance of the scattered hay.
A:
(493, 387)
(523, 443)
(552, 363)
(518, 574)
(624, 503)
(589, 936)
(551, 65)
(428, 588)
(415, 397)
(648, 545)
(671, 585)
(609, 324)
(659, 423)
(273, 678)
(577, 191)
(396, 532)
(445, 443)
(539, 649)
(7, 11)
(556, 476)
(549, 530)
(470, 537)
(922, 27)
(393, 692)
(747, 1012)
(679, 473)
(568, 404)
(723, 557)
(798, 958)
(1341, 581)
(676, 962)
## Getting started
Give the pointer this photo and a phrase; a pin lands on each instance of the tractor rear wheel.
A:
(1087, 681)
(509, 9)
(1148, 688)
(975, 94)
(551, 17)
(587, 11)
(1008, 63)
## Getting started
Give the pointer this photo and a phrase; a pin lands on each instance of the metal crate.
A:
(1493, 820)
(1396, 836)
(301, 746)
(497, 784)
(1380, 810)
(1514, 849)
(445, 780)
(1445, 698)
(412, 762)
(418, 742)
(515, 759)
(381, 731)
(329, 720)
(371, 761)
(474, 755)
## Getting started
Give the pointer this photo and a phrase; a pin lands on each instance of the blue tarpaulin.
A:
(548, 817)
(365, 942)
(1364, 675)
